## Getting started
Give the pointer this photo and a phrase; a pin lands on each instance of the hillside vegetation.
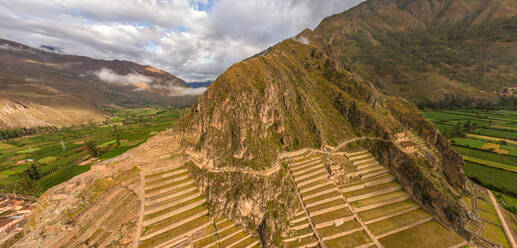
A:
(33, 164)
(433, 52)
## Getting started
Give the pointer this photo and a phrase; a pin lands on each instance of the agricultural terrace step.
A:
(391, 215)
(238, 241)
(306, 160)
(310, 174)
(375, 173)
(298, 220)
(297, 237)
(323, 197)
(171, 185)
(295, 169)
(322, 185)
(327, 210)
(300, 226)
(208, 232)
(179, 208)
(227, 225)
(360, 157)
(165, 181)
(309, 241)
(149, 201)
(364, 171)
(246, 242)
(171, 202)
(313, 178)
(308, 199)
(334, 203)
(389, 179)
(228, 233)
(382, 203)
(405, 227)
(299, 153)
(165, 228)
(163, 164)
(331, 222)
(333, 198)
(207, 241)
(364, 161)
(254, 244)
(360, 167)
(165, 172)
(352, 154)
(308, 169)
(373, 194)
(322, 176)
(174, 237)
(341, 234)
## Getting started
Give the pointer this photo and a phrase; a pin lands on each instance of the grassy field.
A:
(487, 140)
(32, 164)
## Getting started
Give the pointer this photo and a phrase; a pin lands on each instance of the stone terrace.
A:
(175, 212)
(369, 210)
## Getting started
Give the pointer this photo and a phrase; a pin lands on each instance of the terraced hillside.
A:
(153, 202)
(370, 209)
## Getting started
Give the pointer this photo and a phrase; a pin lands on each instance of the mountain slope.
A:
(296, 96)
(293, 96)
(36, 85)
(426, 50)
(290, 97)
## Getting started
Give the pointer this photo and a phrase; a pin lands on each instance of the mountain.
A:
(40, 88)
(428, 51)
(294, 147)
(230, 146)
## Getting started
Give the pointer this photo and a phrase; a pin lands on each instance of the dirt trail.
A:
(500, 214)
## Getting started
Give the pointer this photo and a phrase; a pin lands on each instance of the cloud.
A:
(193, 39)
(302, 39)
(189, 91)
(142, 82)
(110, 76)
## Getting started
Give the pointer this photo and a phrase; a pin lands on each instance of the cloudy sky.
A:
(193, 39)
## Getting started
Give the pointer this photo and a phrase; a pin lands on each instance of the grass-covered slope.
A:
(426, 50)
(291, 96)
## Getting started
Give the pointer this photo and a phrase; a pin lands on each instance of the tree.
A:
(32, 172)
(116, 134)
(92, 149)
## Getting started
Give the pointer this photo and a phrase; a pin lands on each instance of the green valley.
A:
(487, 140)
(33, 164)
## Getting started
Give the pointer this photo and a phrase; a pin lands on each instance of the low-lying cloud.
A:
(189, 91)
(110, 76)
(142, 82)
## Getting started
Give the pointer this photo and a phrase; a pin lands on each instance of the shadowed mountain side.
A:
(457, 52)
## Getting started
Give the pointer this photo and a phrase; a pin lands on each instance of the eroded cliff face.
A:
(265, 204)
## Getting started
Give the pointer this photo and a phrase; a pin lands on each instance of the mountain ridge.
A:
(30, 78)
(457, 51)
